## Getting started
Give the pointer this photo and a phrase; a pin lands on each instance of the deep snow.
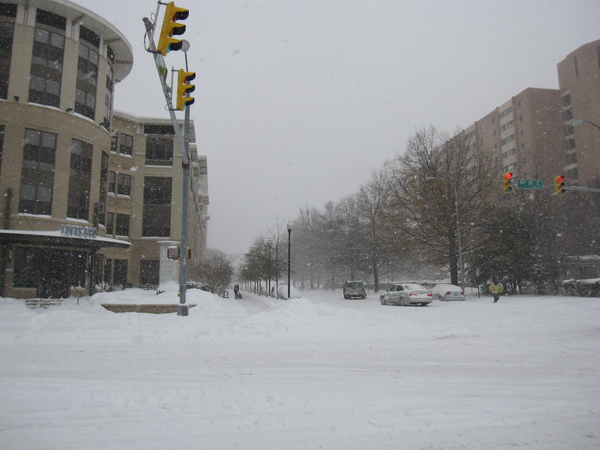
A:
(314, 372)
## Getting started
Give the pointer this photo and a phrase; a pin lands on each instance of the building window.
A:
(566, 100)
(112, 181)
(157, 207)
(108, 96)
(110, 223)
(507, 140)
(120, 276)
(103, 187)
(33, 271)
(87, 81)
(89, 36)
(126, 147)
(507, 126)
(8, 13)
(149, 271)
(506, 112)
(124, 184)
(108, 265)
(114, 138)
(79, 180)
(159, 151)
(567, 115)
(37, 174)
(122, 225)
(47, 60)
(571, 158)
(571, 144)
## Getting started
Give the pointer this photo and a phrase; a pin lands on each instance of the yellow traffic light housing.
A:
(184, 88)
(170, 27)
(559, 184)
(507, 186)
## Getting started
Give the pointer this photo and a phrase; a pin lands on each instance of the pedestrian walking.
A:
(495, 290)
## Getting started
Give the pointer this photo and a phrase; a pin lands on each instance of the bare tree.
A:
(439, 192)
(372, 198)
(216, 270)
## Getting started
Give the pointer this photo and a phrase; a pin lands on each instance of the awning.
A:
(56, 239)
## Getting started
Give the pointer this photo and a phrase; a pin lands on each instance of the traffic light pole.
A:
(182, 309)
(183, 143)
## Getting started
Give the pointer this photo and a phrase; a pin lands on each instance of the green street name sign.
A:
(530, 184)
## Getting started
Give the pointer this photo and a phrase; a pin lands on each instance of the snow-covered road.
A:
(316, 372)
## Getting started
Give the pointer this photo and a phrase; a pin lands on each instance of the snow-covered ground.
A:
(315, 372)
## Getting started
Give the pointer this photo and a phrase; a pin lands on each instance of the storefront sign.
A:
(78, 231)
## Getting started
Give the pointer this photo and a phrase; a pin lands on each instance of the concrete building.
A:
(524, 135)
(87, 193)
(579, 84)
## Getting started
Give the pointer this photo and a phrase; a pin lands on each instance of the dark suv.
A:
(355, 289)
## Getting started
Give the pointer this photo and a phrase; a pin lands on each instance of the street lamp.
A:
(289, 228)
(575, 122)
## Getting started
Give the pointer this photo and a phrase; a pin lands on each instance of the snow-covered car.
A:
(447, 292)
(355, 289)
(406, 294)
(282, 292)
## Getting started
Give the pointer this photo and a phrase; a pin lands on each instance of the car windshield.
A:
(355, 284)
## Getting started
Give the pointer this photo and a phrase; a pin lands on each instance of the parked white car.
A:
(448, 292)
(406, 294)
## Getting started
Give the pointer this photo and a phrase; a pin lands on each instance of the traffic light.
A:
(184, 88)
(170, 27)
(507, 187)
(559, 184)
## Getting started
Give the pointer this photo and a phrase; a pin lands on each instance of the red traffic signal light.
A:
(507, 185)
(559, 184)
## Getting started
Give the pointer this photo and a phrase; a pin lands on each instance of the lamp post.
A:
(575, 122)
(289, 228)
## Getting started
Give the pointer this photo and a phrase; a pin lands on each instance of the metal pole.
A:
(289, 257)
(182, 309)
(460, 256)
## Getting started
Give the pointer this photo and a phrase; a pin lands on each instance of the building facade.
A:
(87, 193)
(523, 135)
(579, 84)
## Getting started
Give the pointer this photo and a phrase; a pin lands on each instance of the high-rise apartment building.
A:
(523, 135)
(87, 193)
(579, 84)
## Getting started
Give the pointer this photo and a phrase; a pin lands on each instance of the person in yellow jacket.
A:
(495, 291)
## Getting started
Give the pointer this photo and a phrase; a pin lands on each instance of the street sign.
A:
(530, 184)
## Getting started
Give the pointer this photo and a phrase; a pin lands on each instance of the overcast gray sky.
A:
(297, 101)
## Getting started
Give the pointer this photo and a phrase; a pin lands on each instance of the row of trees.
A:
(438, 206)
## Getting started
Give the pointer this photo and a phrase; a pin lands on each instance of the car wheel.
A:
(382, 300)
